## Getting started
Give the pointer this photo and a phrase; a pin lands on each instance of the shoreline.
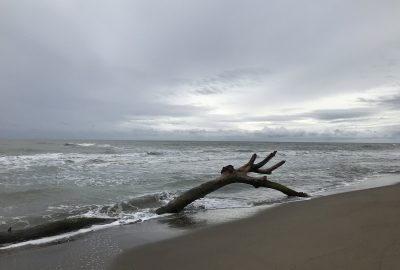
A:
(352, 230)
(100, 249)
(238, 212)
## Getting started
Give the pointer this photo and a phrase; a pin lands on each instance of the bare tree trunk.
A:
(230, 175)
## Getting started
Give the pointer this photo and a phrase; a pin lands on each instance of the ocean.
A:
(42, 181)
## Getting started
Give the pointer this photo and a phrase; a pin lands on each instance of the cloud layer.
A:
(248, 70)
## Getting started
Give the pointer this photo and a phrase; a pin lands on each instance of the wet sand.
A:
(354, 230)
(93, 250)
(96, 250)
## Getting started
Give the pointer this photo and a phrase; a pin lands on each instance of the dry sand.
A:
(354, 230)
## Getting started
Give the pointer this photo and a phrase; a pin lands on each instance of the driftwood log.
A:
(50, 229)
(230, 175)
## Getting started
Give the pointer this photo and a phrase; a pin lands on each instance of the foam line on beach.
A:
(64, 236)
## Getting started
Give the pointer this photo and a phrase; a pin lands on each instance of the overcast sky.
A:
(201, 69)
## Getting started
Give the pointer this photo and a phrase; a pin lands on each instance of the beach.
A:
(353, 230)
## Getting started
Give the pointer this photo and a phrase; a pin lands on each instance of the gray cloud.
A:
(80, 68)
(389, 102)
(340, 114)
(227, 80)
(333, 115)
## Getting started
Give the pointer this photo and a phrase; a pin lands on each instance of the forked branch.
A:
(230, 175)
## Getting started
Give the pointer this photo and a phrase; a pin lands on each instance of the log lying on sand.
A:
(49, 229)
(230, 175)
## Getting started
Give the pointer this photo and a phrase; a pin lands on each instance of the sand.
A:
(354, 230)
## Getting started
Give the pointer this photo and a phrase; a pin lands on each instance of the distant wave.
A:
(23, 194)
(155, 153)
(210, 151)
(106, 145)
(389, 172)
(96, 161)
(80, 144)
(86, 145)
(244, 151)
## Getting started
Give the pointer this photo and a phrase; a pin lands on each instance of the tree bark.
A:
(230, 175)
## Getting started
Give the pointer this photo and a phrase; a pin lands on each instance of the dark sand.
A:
(354, 230)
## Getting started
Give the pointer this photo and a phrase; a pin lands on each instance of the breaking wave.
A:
(80, 144)
(155, 153)
(88, 144)
(83, 219)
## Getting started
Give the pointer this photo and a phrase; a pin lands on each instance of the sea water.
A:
(43, 181)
